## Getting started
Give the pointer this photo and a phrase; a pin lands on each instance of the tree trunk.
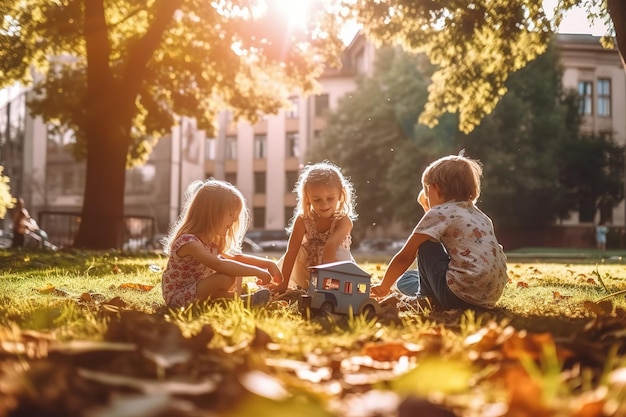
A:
(617, 11)
(102, 219)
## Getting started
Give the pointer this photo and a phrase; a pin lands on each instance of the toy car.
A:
(339, 288)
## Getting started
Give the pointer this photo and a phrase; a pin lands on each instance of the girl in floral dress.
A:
(460, 262)
(204, 247)
(321, 226)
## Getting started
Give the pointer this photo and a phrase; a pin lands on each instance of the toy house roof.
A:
(344, 267)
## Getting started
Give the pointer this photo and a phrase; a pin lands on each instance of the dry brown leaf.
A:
(386, 352)
(521, 344)
(558, 296)
(484, 339)
(524, 394)
(135, 286)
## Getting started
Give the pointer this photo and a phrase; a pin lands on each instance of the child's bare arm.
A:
(295, 242)
(221, 264)
(399, 264)
(268, 264)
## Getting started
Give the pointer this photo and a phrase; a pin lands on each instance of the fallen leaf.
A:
(386, 352)
(558, 296)
(134, 286)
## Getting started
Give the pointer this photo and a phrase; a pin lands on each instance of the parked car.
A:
(250, 246)
(270, 240)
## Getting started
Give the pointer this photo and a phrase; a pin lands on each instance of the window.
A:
(347, 287)
(140, 180)
(294, 111)
(292, 144)
(260, 146)
(330, 283)
(210, 152)
(231, 177)
(322, 103)
(258, 217)
(259, 182)
(585, 90)
(291, 177)
(231, 147)
(604, 97)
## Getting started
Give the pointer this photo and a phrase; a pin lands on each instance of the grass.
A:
(553, 346)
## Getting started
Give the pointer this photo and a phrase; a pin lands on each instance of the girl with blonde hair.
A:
(204, 247)
(322, 222)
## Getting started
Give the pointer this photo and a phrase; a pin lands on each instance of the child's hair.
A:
(207, 203)
(328, 174)
(457, 177)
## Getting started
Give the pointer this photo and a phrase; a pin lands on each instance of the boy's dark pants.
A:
(430, 278)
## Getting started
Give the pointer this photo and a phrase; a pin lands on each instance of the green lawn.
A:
(87, 334)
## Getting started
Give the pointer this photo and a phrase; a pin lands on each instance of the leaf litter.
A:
(145, 366)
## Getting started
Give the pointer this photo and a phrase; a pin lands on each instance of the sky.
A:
(576, 21)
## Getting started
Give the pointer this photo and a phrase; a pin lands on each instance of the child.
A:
(22, 223)
(601, 232)
(205, 260)
(460, 263)
(321, 226)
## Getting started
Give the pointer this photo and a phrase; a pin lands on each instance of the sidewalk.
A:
(568, 254)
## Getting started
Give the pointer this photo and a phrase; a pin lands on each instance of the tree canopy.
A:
(475, 45)
(537, 167)
(120, 71)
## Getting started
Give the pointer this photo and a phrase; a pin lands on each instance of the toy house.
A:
(339, 288)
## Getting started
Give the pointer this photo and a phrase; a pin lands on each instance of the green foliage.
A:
(6, 201)
(371, 131)
(476, 47)
(519, 143)
(592, 172)
(118, 73)
(188, 58)
(371, 137)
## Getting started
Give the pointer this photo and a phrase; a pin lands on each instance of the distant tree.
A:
(6, 201)
(592, 175)
(521, 144)
(371, 129)
(119, 72)
(475, 45)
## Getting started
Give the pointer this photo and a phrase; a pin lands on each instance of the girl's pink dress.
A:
(181, 275)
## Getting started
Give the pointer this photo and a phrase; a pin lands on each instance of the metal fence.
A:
(62, 226)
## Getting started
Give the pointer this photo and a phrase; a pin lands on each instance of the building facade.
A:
(598, 75)
(263, 160)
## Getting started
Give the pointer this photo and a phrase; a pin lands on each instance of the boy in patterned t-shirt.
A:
(460, 262)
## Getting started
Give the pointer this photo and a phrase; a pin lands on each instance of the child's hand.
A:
(421, 198)
(263, 278)
(379, 291)
(279, 287)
